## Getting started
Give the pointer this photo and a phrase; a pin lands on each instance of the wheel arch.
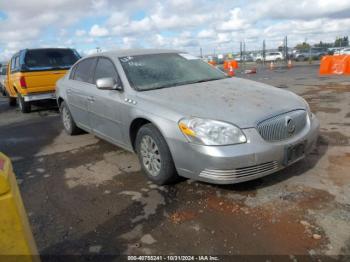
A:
(59, 101)
(134, 128)
(137, 123)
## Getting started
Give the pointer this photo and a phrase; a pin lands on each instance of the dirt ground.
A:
(85, 196)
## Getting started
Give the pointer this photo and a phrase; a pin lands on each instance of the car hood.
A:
(239, 101)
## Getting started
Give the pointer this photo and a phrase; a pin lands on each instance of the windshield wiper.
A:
(184, 83)
(205, 80)
(166, 86)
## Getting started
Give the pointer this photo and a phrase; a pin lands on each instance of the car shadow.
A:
(42, 106)
(37, 106)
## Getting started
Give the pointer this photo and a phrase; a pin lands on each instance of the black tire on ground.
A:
(24, 106)
(3, 91)
(12, 101)
(167, 172)
(67, 120)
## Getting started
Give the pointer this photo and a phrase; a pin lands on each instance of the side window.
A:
(105, 68)
(12, 63)
(84, 70)
(17, 63)
(72, 72)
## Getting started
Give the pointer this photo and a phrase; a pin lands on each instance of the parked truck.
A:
(32, 74)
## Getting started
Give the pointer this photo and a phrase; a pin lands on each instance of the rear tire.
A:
(12, 101)
(67, 120)
(154, 156)
(3, 91)
(24, 106)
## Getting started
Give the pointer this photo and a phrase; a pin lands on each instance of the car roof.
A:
(135, 52)
(48, 48)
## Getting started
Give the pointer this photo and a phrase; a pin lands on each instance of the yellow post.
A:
(16, 239)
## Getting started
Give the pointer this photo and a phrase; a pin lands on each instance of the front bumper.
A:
(40, 96)
(242, 162)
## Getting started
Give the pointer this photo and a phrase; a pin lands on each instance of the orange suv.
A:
(32, 74)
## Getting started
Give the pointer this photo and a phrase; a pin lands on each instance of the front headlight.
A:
(211, 132)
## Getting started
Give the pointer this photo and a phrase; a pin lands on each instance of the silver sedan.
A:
(184, 117)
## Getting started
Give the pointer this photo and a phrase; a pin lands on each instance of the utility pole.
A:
(201, 52)
(244, 54)
(286, 49)
(264, 52)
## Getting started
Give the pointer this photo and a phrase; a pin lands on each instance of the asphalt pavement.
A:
(86, 196)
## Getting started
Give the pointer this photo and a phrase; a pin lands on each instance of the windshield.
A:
(147, 72)
(50, 58)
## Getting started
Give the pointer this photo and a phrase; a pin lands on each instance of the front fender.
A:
(167, 124)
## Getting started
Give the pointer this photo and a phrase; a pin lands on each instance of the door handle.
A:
(69, 91)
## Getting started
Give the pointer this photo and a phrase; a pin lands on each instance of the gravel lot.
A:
(85, 196)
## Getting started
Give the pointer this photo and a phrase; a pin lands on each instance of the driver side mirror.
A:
(108, 83)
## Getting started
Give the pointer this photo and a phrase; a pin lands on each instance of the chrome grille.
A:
(276, 128)
(240, 173)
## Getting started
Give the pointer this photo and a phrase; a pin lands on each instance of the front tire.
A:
(154, 156)
(67, 120)
(24, 106)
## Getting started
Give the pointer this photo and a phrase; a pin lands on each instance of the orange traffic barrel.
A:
(335, 65)
(231, 72)
(230, 63)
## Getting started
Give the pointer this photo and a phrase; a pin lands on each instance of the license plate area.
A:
(294, 153)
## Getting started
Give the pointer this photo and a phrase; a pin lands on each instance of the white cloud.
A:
(182, 24)
(98, 31)
(234, 21)
(206, 34)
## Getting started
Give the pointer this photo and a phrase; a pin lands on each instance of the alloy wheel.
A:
(150, 155)
(66, 118)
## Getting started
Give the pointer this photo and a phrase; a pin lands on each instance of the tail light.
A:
(22, 82)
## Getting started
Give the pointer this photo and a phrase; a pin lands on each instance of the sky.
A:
(215, 26)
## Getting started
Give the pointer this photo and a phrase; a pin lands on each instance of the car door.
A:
(269, 57)
(273, 56)
(105, 106)
(80, 86)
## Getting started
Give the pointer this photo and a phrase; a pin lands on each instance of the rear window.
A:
(3, 70)
(46, 59)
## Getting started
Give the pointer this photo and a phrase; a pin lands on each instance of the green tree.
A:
(302, 46)
(341, 41)
(324, 45)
